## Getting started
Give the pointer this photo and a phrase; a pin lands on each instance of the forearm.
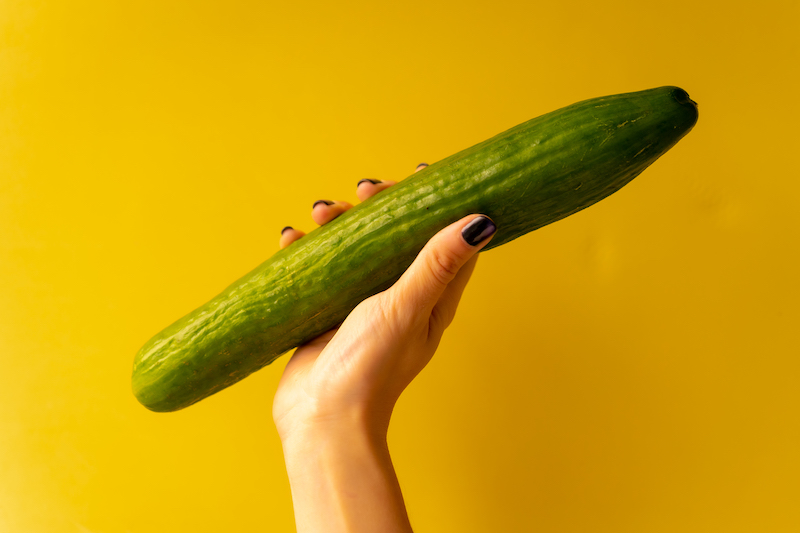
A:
(343, 481)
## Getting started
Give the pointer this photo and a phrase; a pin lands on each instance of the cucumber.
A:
(531, 175)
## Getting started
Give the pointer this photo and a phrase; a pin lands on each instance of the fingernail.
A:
(284, 229)
(374, 182)
(477, 231)
(423, 165)
(326, 202)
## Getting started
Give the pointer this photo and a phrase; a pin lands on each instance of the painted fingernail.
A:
(326, 202)
(284, 229)
(478, 230)
(422, 165)
(374, 182)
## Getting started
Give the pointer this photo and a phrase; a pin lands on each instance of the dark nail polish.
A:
(326, 202)
(284, 229)
(477, 231)
(423, 165)
(374, 182)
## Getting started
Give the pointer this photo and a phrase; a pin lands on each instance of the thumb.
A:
(421, 286)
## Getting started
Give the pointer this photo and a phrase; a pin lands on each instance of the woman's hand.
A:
(359, 370)
(335, 399)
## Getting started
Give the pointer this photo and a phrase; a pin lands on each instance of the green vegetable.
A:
(531, 175)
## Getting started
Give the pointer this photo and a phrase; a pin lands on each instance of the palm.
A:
(344, 366)
(293, 386)
(351, 364)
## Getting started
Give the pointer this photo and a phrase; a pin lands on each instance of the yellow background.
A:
(632, 368)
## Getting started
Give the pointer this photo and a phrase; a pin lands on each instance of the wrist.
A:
(312, 423)
(342, 479)
(319, 429)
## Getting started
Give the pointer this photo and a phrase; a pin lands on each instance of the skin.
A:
(335, 399)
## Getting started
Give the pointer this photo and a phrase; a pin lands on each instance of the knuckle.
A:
(444, 265)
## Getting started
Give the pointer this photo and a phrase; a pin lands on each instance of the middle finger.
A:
(324, 211)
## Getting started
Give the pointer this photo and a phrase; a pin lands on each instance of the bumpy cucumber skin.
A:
(529, 176)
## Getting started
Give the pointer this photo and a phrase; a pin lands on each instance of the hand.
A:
(358, 371)
(336, 396)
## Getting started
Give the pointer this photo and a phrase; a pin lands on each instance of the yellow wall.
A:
(632, 368)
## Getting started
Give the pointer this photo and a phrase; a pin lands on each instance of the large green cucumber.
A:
(531, 175)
